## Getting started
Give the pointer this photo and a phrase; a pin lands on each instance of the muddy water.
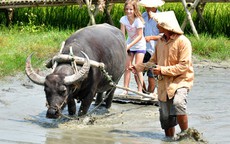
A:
(22, 115)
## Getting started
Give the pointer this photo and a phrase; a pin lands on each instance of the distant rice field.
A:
(216, 17)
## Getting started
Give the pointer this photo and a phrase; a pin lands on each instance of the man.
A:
(173, 59)
(151, 34)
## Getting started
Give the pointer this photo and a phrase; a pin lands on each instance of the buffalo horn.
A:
(33, 76)
(77, 76)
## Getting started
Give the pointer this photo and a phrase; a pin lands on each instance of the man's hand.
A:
(150, 14)
(148, 38)
(133, 69)
(157, 70)
(156, 37)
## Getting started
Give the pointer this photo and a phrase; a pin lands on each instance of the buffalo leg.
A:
(99, 98)
(85, 104)
(71, 106)
(109, 99)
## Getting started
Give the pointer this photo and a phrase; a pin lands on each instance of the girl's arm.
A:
(137, 39)
(122, 27)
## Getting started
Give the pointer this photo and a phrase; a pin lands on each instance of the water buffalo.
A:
(102, 43)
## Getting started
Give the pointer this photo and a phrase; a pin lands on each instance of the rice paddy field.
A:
(216, 17)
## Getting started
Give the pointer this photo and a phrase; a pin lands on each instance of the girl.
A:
(133, 24)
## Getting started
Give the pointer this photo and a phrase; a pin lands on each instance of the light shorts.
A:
(171, 108)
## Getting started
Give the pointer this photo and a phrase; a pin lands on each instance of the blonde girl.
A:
(132, 23)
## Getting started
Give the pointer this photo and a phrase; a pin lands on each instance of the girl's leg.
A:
(139, 59)
(127, 73)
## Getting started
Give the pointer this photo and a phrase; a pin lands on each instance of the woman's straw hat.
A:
(168, 21)
(151, 3)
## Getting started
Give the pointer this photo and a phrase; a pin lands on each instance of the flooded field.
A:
(22, 119)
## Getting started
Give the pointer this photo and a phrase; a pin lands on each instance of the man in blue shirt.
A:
(151, 34)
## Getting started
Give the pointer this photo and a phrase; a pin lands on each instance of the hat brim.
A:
(154, 4)
(168, 21)
(177, 30)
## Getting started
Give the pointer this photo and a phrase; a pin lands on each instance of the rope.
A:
(109, 78)
(87, 114)
(113, 84)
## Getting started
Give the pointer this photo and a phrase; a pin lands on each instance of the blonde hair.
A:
(137, 12)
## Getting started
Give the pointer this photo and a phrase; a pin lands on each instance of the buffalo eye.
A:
(62, 89)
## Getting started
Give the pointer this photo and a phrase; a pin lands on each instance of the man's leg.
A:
(168, 122)
(180, 106)
(183, 122)
(145, 86)
(170, 132)
(151, 85)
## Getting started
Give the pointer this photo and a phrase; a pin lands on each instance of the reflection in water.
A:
(23, 115)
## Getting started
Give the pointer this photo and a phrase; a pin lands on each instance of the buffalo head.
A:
(58, 86)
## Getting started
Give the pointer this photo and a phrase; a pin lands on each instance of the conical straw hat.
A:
(168, 21)
(151, 3)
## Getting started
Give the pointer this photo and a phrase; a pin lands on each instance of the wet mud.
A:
(22, 119)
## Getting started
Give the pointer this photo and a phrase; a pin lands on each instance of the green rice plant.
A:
(116, 13)
(211, 48)
(177, 8)
(66, 17)
(216, 16)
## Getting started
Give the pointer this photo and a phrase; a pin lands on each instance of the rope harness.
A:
(109, 78)
(113, 84)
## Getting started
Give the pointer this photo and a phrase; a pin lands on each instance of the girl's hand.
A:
(128, 50)
(128, 47)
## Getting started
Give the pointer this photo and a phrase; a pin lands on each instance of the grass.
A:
(215, 49)
(16, 45)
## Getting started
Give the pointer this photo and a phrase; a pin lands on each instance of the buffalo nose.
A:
(52, 113)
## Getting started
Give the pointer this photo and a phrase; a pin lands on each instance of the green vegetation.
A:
(216, 17)
(215, 49)
(42, 30)
(15, 46)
